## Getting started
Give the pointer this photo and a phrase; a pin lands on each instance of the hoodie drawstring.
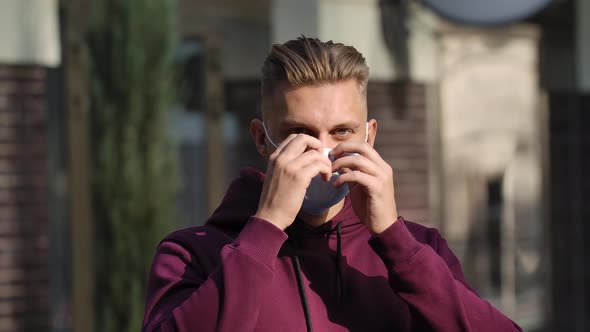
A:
(339, 274)
(302, 295)
(339, 277)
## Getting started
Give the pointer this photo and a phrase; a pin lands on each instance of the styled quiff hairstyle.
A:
(309, 61)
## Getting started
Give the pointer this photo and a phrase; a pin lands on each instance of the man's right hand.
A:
(290, 169)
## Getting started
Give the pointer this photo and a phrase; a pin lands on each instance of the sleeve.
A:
(436, 291)
(181, 296)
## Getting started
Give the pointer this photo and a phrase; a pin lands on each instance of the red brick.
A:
(34, 116)
(410, 164)
(9, 87)
(403, 151)
(27, 244)
(10, 227)
(12, 244)
(402, 141)
(19, 291)
(10, 119)
(9, 212)
(395, 137)
(17, 274)
(8, 260)
(23, 165)
(38, 212)
(23, 150)
(11, 181)
(417, 215)
(10, 104)
(23, 305)
(407, 195)
(35, 104)
(408, 177)
(19, 196)
(32, 323)
(9, 134)
(35, 88)
(22, 72)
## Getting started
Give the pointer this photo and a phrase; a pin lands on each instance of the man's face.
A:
(331, 112)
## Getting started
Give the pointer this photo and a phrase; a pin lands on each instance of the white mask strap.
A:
(367, 133)
(268, 136)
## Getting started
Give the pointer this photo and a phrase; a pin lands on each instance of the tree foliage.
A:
(131, 45)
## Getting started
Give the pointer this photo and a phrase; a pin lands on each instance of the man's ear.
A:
(259, 137)
(372, 132)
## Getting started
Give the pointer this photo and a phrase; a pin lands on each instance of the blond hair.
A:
(309, 61)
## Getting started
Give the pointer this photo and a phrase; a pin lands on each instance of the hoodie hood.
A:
(241, 202)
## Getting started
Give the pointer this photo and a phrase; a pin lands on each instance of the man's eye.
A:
(343, 131)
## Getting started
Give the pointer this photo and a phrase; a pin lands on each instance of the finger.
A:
(312, 157)
(362, 148)
(355, 162)
(281, 146)
(309, 157)
(355, 177)
(297, 144)
(314, 169)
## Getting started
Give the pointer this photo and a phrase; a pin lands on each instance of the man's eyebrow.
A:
(293, 123)
(297, 123)
(350, 124)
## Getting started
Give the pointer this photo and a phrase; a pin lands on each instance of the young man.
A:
(316, 242)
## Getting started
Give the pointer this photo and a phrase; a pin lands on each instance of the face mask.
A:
(321, 195)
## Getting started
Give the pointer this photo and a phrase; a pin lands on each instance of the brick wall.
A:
(400, 110)
(24, 229)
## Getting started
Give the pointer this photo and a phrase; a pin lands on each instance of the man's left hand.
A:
(370, 179)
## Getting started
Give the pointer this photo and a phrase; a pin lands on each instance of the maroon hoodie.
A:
(241, 273)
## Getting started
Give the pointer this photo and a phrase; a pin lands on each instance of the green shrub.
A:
(131, 46)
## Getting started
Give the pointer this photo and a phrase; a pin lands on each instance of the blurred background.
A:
(121, 120)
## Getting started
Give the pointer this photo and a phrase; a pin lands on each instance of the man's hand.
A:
(370, 179)
(290, 170)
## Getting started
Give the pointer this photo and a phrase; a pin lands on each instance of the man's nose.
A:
(326, 140)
